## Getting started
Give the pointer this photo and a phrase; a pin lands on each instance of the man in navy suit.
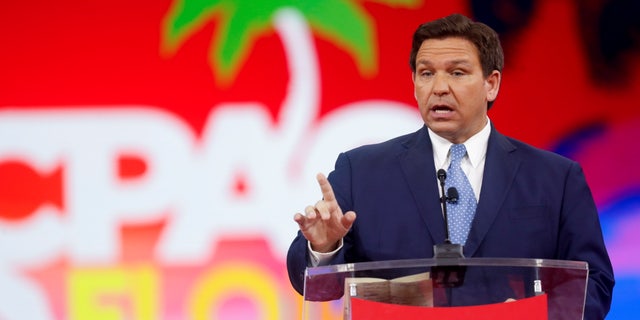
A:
(531, 203)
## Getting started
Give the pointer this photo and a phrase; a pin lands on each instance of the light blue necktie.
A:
(461, 212)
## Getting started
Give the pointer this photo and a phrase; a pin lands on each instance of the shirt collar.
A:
(476, 146)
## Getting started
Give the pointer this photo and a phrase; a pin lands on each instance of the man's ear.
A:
(492, 85)
(413, 79)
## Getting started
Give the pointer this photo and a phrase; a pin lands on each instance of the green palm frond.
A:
(241, 22)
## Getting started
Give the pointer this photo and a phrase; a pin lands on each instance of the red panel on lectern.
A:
(534, 308)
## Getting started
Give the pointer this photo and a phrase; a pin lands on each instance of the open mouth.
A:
(441, 109)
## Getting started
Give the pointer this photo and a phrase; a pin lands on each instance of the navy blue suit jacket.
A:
(533, 204)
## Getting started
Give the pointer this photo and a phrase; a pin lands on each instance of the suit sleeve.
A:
(297, 262)
(581, 239)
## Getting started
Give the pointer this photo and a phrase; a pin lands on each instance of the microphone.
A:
(442, 175)
(447, 276)
(452, 195)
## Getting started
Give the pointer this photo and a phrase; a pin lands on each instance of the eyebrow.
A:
(456, 62)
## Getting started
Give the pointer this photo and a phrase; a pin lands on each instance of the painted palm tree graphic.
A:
(241, 22)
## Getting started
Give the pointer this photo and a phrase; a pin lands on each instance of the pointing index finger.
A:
(325, 187)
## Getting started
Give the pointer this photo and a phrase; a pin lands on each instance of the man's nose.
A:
(440, 84)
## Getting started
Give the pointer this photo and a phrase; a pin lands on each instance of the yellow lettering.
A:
(113, 293)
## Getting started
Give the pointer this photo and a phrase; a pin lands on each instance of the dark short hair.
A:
(484, 38)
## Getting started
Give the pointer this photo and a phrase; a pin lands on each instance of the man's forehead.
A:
(453, 61)
(448, 44)
(453, 50)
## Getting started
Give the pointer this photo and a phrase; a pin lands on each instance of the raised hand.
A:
(324, 224)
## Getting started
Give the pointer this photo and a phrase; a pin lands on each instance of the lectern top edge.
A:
(411, 263)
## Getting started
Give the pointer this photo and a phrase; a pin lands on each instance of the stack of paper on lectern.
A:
(412, 290)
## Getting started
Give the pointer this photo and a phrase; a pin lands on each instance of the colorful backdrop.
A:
(153, 153)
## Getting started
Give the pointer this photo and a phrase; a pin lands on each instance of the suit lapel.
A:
(420, 174)
(500, 169)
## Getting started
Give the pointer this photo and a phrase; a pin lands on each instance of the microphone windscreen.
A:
(452, 194)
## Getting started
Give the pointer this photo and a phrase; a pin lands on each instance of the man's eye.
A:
(427, 73)
(457, 73)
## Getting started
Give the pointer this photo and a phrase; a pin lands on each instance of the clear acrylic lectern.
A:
(460, 288)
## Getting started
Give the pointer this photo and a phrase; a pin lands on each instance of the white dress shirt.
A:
(472, 164)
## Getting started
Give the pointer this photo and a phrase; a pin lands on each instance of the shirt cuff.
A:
(321, 258)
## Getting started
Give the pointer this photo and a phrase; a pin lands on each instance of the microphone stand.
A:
(447, 276)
